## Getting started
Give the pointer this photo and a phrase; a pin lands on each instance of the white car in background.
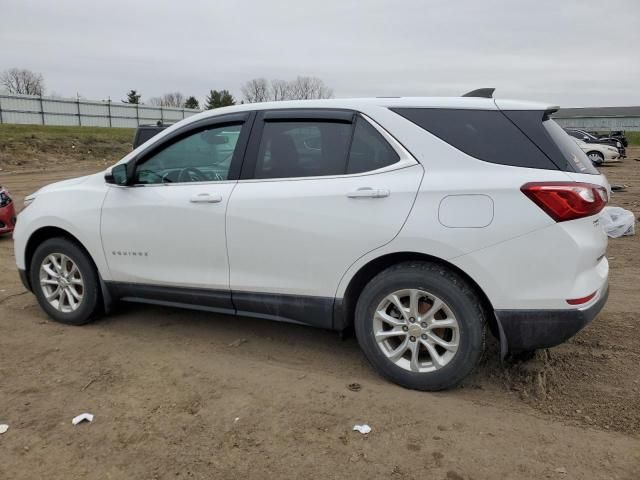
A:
(599, 153)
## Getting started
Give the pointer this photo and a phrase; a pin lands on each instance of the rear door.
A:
(319, 189)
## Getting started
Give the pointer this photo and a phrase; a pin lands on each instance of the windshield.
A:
(569, 148)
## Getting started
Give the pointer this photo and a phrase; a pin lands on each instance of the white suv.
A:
(418, 221)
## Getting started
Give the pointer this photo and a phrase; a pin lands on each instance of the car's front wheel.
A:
(65, 282)
(421, 325)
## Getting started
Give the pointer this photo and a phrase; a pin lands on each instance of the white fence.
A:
(629, 124)
(28, 109)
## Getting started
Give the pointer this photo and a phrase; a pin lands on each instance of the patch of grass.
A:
(38, 146)
(633, 137)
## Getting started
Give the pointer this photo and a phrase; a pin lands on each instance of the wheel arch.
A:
(45, 233)
(344, 308)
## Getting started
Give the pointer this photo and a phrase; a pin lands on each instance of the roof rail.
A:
(481, 93)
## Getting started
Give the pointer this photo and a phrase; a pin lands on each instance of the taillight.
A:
(564, 201)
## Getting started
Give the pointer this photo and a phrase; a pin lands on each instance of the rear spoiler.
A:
(480, 93)
(488, 93)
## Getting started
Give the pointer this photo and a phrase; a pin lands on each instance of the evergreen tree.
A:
(132, 97)
(217, 99)
(191, 102)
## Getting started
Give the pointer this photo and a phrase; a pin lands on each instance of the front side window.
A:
(204, 156)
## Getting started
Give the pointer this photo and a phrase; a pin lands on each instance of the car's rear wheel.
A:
(596, 158)
(421, 325)
(65, 282)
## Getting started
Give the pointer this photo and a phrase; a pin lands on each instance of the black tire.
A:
(455, 292)
(600, 160)
(90, 306)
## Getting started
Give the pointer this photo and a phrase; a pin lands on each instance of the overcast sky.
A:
(571, 53)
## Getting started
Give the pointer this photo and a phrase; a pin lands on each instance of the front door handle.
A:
(368, 192)
(206, 198)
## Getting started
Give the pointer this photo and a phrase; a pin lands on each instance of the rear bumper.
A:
(532, 329)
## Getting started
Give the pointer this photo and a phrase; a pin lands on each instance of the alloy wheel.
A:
(416, 330)
(61, 282)
(595, 158)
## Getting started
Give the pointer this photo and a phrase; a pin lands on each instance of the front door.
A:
(167, 232)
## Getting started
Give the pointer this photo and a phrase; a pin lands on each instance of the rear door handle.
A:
(368, 192)
(206, 198)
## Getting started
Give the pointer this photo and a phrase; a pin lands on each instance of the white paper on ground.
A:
(3, 428)
(82, 417)
(363, 429)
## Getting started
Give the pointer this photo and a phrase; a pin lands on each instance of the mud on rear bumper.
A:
(532, 329)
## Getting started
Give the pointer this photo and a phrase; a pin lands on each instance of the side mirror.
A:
(117, 175)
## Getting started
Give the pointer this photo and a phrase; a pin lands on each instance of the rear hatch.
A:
(576, 210)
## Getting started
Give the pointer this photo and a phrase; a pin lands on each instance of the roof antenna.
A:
(481, 93)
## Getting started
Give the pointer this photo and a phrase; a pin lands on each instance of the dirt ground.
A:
(190, 395)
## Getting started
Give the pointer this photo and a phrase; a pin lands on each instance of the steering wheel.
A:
(191, 174)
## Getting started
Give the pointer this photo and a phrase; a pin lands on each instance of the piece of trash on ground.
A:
(354, 387)
(238, 342)
(83, 417)
(618, 188)
(363, 429)
(617, 222)
(3, 428)
(235, 420)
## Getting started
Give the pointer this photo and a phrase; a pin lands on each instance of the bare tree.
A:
(256, 90)
(171, 99)
(22, 81)
(306, 88)
(280, 90)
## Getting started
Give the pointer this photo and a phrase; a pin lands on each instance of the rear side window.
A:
(369, 151)
(484, 134)
(310, 148)
(303, 149)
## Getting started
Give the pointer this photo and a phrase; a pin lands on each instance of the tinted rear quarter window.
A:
(484, 134)
(369, 150)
